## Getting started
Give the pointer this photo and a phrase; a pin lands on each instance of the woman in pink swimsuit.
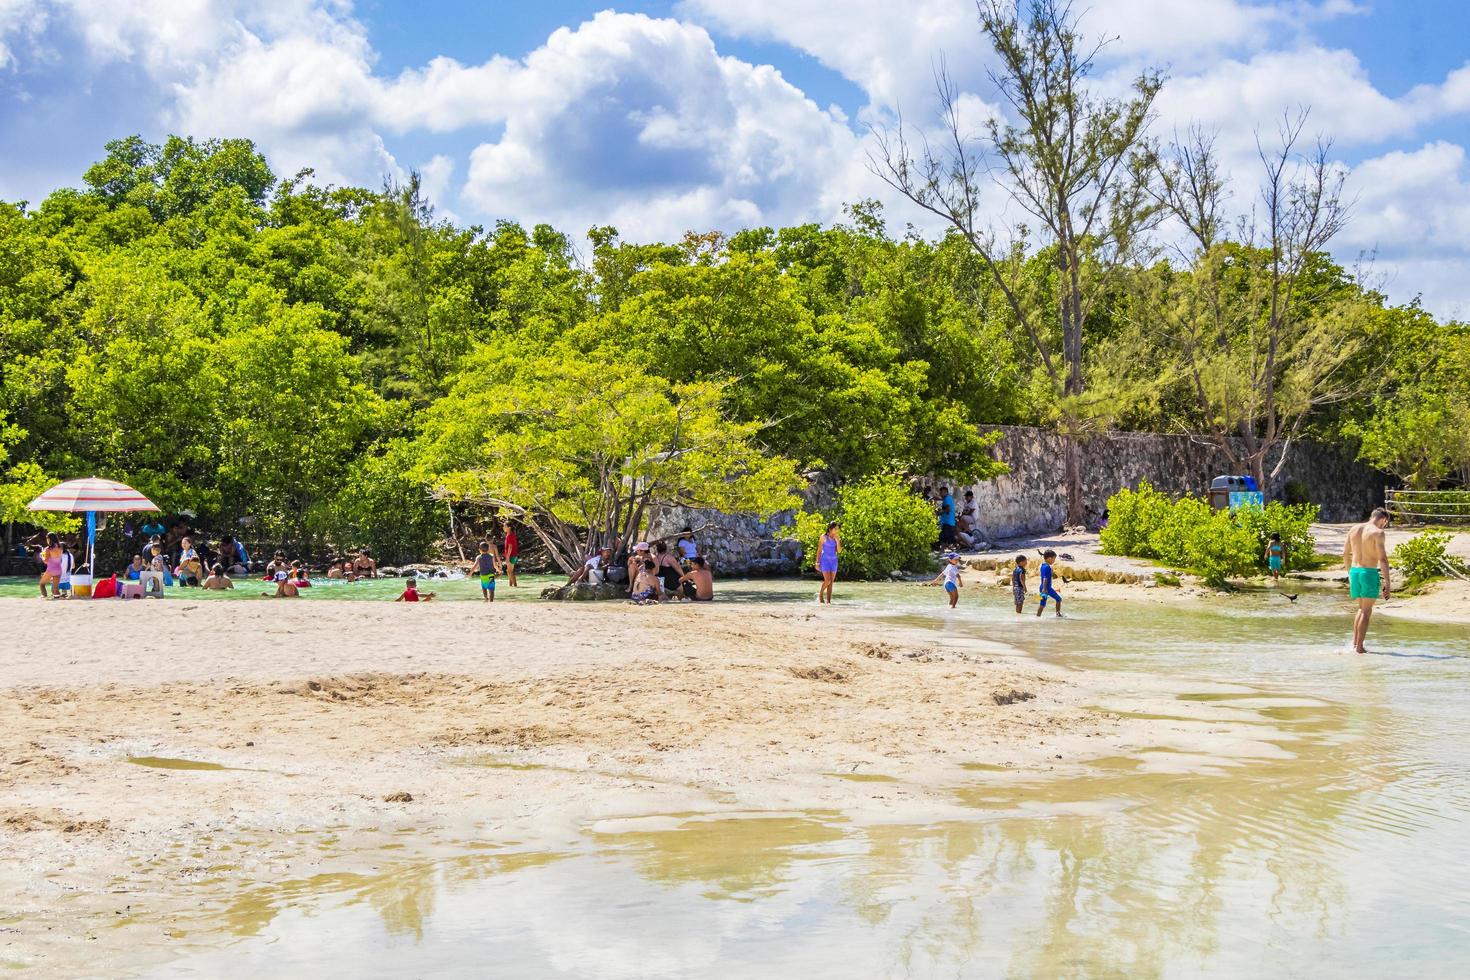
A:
(51, 555)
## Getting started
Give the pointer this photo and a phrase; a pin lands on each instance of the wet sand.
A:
(256, 726)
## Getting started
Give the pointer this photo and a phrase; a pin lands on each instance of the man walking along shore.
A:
(1366, 556)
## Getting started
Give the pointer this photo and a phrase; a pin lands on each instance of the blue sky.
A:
(660, 117)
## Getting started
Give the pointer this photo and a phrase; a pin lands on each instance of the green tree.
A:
(886, 527)
(583, 451)
(1263, 330)
(1077, 162)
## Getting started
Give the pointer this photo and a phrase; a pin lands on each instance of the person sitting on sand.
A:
(686, 544)
(636, 559)
(669, 569)
(411, 593)
(697, 584)
(364, 565)
(595, 569)
(1018, 583)
(950, 576)
(218, 580)
(190, 571)
(968, 515)
(232, 556)
(646, 587)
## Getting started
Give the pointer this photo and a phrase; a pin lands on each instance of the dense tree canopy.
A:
(237, 345)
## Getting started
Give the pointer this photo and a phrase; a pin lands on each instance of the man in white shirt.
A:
(595, 570)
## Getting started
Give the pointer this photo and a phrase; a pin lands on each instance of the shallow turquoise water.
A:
(1343, 854)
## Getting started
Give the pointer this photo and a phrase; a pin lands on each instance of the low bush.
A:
(1216, 545)
(885, 527)
(1423, 557)
(1293, 522)
(1132, 516)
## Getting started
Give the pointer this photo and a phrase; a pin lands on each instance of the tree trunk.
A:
(1258, 471)
(1072, 472)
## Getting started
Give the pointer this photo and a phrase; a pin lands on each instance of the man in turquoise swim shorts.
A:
(1366, 556)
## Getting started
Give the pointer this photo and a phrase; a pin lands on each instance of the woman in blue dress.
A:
(829, 546)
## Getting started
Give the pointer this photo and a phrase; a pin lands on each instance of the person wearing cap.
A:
(635, 562)
(950, 576)
(594, 571)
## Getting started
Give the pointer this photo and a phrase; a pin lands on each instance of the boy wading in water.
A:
(950, 575)
(1275, 556)
(1366, 558)
(487, 566)
(1047, 590)
(1018, 584)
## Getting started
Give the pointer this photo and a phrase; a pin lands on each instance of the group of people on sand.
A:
(653, 572)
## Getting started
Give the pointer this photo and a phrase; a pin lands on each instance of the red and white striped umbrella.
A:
(92, 494)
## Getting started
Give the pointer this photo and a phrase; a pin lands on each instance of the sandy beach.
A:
(346, 720)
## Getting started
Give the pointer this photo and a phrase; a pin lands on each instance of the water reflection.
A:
(1328, 836)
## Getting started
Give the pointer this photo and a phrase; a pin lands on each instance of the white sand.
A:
(325, 710)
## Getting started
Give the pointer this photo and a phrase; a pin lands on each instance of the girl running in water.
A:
(829, 546)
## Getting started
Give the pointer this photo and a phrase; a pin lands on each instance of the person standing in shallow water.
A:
(511, 553)
(1366, 556)
(829, 546)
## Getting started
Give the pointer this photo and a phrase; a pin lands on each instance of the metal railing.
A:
(1429, 506)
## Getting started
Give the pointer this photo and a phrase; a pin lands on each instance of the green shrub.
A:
(1293, 522)
(1221, 548)
(1132, 517)
(381, 507)
(1215, 545)
(1173, 540)
(1423, 557)
(885, 527)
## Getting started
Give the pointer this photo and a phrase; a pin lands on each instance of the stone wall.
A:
(1032, 499)
(743, 544)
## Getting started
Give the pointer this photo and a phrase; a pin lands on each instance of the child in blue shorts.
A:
(950, 576)
(487, 566)
(1048, 591)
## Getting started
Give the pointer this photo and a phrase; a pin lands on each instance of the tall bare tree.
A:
(1078, 163)
(1262, 326)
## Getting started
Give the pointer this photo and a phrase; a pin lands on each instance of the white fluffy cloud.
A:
(1411, 214)
(644, 119)
(643, 123)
